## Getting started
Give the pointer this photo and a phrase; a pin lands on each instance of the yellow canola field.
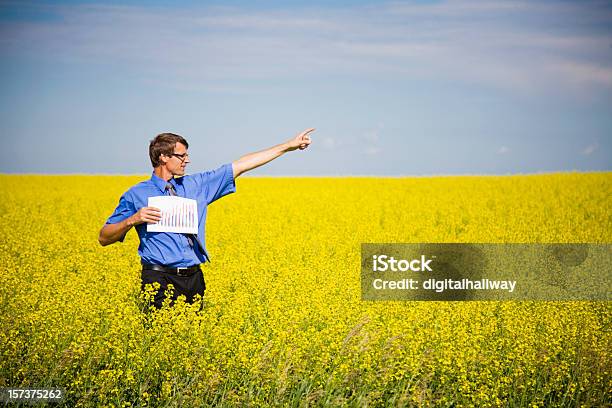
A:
(283, 320)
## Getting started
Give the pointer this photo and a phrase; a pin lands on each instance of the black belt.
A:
(180, 271)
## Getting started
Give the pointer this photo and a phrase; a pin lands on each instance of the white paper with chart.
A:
(178, 214)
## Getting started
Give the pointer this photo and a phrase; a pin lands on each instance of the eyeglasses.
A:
(181, 157)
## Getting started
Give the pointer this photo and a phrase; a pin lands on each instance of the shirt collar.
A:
(161, 183)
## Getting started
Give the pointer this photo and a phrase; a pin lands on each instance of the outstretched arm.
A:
(254, 160)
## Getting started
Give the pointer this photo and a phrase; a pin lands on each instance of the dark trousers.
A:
(190, 286)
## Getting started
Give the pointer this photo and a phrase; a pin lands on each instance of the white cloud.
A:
(584, 72)
(329, 143)
(372, 150)
(372, 140)
(511, 45)
(373, 135)
(503, 150)
(590, 149)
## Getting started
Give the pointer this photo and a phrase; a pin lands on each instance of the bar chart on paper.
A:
(178, 214)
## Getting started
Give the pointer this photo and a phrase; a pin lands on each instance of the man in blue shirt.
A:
(175, 258)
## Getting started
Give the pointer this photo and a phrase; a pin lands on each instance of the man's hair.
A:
(164, 144)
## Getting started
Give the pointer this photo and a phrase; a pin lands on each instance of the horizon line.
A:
(334, 175)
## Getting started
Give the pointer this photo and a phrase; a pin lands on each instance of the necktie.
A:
(190, 237)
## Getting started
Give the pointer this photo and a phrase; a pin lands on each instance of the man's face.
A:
(178, 161)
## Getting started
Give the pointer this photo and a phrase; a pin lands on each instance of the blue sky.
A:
(393, 88)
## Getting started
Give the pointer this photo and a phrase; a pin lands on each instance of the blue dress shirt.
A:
(173, 249)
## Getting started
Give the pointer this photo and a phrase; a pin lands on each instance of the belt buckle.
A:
(178, 271)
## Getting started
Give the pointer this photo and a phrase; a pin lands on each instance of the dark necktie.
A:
(190, 237)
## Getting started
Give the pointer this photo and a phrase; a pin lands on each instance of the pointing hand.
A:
(301, 141)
